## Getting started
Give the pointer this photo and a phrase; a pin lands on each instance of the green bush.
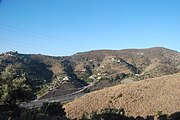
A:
(53, 109)
(106, 114)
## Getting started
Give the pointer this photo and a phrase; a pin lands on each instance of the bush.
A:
(106, 114)
(53, 109)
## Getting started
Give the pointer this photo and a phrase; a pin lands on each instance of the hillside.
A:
(102, 67)
(141, 98)
(41, 72)
(112, 66)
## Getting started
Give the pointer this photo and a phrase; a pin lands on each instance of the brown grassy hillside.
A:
(140, 98)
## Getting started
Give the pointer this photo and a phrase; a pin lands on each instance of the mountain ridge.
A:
(107, 67)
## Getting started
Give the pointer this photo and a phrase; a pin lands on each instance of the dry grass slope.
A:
(140, 98)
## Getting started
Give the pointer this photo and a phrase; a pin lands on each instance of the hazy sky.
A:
(64, 27)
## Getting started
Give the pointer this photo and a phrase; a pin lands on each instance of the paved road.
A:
(64, 98)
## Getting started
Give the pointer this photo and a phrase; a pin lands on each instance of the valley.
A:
(141, 81)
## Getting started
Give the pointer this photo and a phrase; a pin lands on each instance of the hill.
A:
(41, 72)
(141, 98)
(102, 67)
(112, 66)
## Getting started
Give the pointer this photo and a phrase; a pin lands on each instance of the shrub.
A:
(106, 114)
(53, 109)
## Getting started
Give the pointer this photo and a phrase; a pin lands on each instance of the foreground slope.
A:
(140, 98)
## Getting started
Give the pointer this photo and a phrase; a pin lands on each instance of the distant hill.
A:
(42, 72)
(105, 67)
(141, 98)
(112, 66)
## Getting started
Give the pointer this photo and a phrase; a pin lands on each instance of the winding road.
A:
(62, 99)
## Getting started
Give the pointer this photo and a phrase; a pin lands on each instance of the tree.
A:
(14, 87)
(12, 71)
(16, 92)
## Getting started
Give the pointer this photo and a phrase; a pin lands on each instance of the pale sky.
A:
(64, 27)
